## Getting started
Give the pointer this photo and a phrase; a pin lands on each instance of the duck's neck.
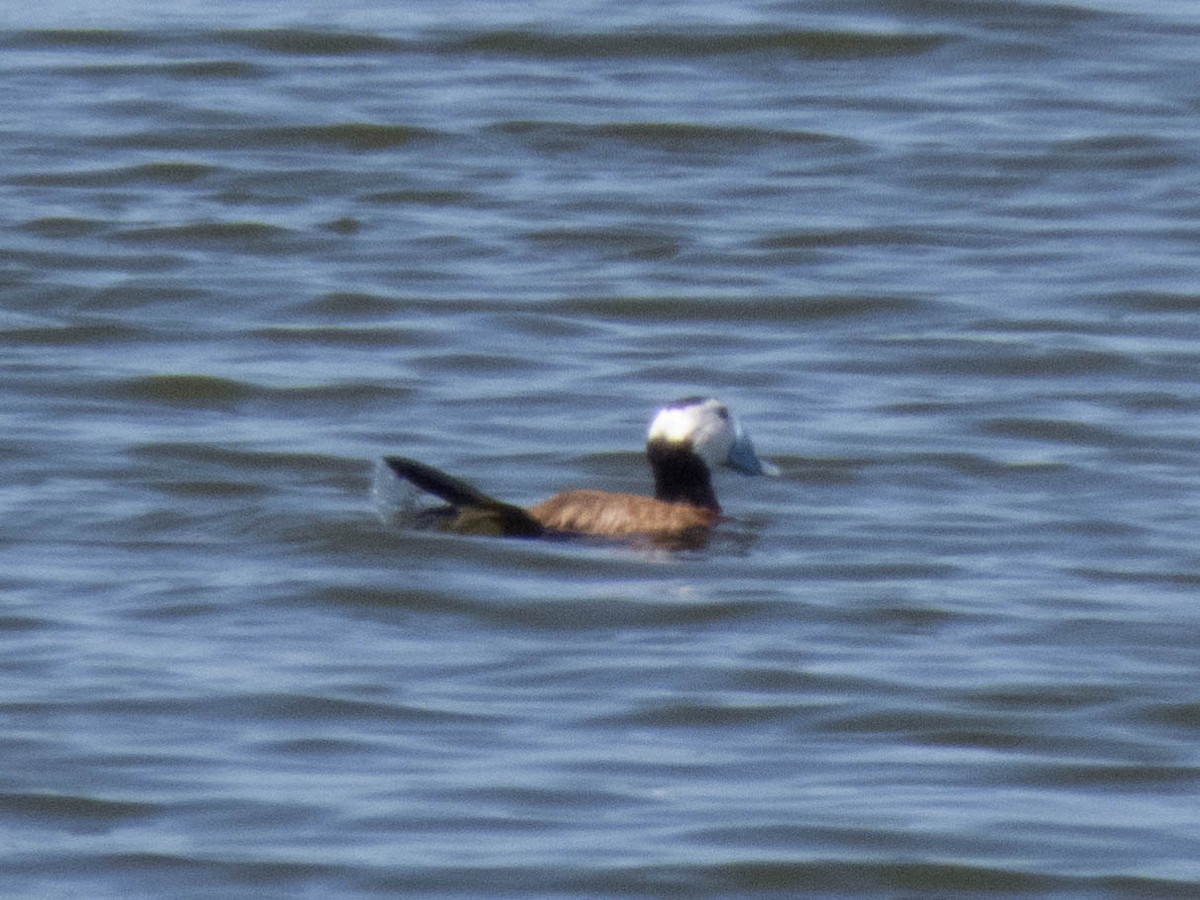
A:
(680, 476)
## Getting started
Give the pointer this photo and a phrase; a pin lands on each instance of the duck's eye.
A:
(723, 413)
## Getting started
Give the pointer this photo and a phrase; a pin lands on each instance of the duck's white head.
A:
(707, 428)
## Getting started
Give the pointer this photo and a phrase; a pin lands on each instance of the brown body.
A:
(619, 515)
(582, 512)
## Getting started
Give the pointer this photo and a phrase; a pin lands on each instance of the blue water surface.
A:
(938, 256)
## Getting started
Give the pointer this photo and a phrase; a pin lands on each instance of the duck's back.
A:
(604, 513)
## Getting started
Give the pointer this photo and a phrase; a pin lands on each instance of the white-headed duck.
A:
(687, 439)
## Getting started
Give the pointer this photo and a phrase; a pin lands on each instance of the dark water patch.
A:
(15, 624)
(305, 42)
(185, 612)
(684, 714)
(1134, 153)
(925, 725)
(958, 357)
(284, 707)
(61, 260)
(316, 748)
(1100, 528)
(478, 364)
(362, 137)
(695, 44)
(197, 70)
(241, 237)
(868, 573)
(100, 334)
(381, 336)
(1151, 302)
(1105, 158)
(355, 137)
(346, 397)
(1150, 578)
(322, 750)
(64, 227)
(187, 391)
(844, 876)
(827, 471)
(736, 309)
(144, 174)
(72, 812)
(904, 619)
(1183, 715)
(1058, 431)
(310, 707)
(824, 239)
(158, 874)
(339, 305)
(974, 736)
(1106, 776)
(690, 137)
(677, 138)
(622, 242)
(800, 839)
(1028, 16)
(1147, 886)
(1008, 327)
(211, 392)
(144, 296)
(75, 38)
(290, 188)
(978, 466)
(422, 197)
(343, 225)
(532, 805)
(924, 878)
(1042, 697)
(770, 676)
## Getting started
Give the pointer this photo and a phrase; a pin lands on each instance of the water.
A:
(939, 256)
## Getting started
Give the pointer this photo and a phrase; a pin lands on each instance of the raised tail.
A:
(434, 481)
(474, 512)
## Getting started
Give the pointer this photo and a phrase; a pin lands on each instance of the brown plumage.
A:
(619, 515)
(685, 439)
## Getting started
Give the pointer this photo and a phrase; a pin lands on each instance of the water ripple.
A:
(697, 44)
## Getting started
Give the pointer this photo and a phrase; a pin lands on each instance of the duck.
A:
(686, 440)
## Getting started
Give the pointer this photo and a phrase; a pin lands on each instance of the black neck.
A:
(680, 476)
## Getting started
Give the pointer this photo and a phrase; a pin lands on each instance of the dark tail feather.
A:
(479, 512)
(436, 482)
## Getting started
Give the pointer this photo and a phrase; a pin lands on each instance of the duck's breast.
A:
(604, 513)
